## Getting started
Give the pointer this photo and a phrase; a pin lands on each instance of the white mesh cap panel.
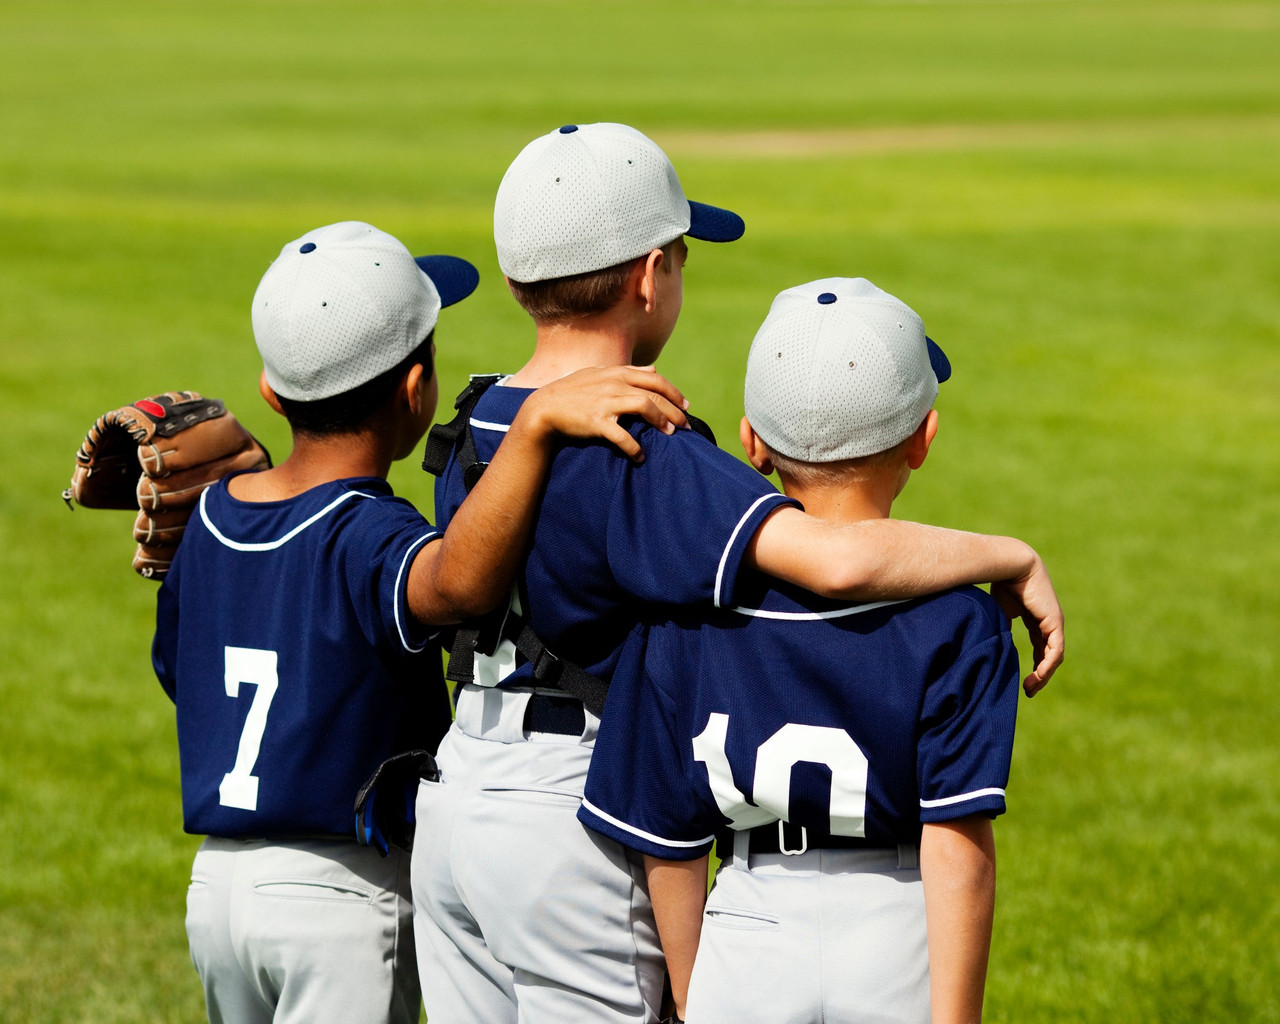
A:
(584, 199)
(841, 378)
(349, 307)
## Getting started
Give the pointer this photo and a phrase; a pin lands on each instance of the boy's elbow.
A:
(848, 578)
(461, 599)
(851, 579)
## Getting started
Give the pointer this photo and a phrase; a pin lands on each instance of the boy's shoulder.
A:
(964, 606)
(336, 505)
(967, 604)
(676, 453)
(772, 620)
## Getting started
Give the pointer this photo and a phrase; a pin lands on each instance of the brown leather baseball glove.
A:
(157, 456)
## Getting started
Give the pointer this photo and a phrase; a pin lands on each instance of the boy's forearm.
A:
(881, 559)
(471, 569)
(958, 867)
(678, 890)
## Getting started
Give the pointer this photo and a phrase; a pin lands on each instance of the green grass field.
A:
(1082, 200)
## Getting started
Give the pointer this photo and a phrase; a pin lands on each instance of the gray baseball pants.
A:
(827, 935)
(523, 915)
(309, 931)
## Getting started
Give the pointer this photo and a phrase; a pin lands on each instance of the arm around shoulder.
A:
(888, 559)
(471, 569)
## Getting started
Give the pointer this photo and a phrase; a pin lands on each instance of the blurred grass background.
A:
(1080, 198)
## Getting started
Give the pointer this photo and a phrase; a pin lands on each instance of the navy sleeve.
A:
(637, 790)
(968, 719)
(680, 522)
(383, 542)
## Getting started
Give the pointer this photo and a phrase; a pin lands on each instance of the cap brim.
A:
(712, 224)
(938, 360)
(453, 277)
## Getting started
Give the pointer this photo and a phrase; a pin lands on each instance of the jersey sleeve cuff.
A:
(731, 558)
(638, 839)
(414, 637)
(981, 801)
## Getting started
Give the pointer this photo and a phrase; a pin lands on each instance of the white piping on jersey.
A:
(674, 843)
(271, 545)
(395, 603)
(724, 557)
(502, 428)
(839, 613)
(947, 801)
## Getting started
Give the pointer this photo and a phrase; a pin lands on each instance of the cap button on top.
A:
(568, 129)
(826, 298)
(308, 247)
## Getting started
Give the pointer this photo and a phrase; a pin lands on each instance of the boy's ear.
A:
(269, 396)
(757, 453)
(412, 387)
(919, 442)
(644, 280)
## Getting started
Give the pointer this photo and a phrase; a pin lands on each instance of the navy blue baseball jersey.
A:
(851, 720)
(283, 638)
(614, 538)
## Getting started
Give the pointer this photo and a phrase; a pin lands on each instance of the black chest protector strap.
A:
(701, 427)
(483, 635)
(445, 438)
(549, 670)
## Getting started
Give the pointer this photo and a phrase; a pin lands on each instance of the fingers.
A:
(1049, 653)
(649, 379)
(1033, 600)
(579, 404)
(628, 445)
(659, 412)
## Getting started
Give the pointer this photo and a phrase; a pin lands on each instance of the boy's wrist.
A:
(533, 423)
(1026, 558)
(1016, 559)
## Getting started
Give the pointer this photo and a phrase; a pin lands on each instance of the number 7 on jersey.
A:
(239, 788)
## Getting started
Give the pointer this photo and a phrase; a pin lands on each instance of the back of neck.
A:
(843, 502)
(314, 461)
(562, 349)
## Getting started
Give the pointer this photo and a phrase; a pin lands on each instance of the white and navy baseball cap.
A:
(840, 369)
(586, 197)
(347, 302)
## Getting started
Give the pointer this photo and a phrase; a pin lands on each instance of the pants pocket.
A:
(312, 889)
(552, 796)
(739, 920)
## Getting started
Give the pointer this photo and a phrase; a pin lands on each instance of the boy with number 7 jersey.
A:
(291, 631)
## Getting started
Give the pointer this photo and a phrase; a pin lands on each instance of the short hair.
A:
(349, 411)
(578, 296)
(840, 471)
